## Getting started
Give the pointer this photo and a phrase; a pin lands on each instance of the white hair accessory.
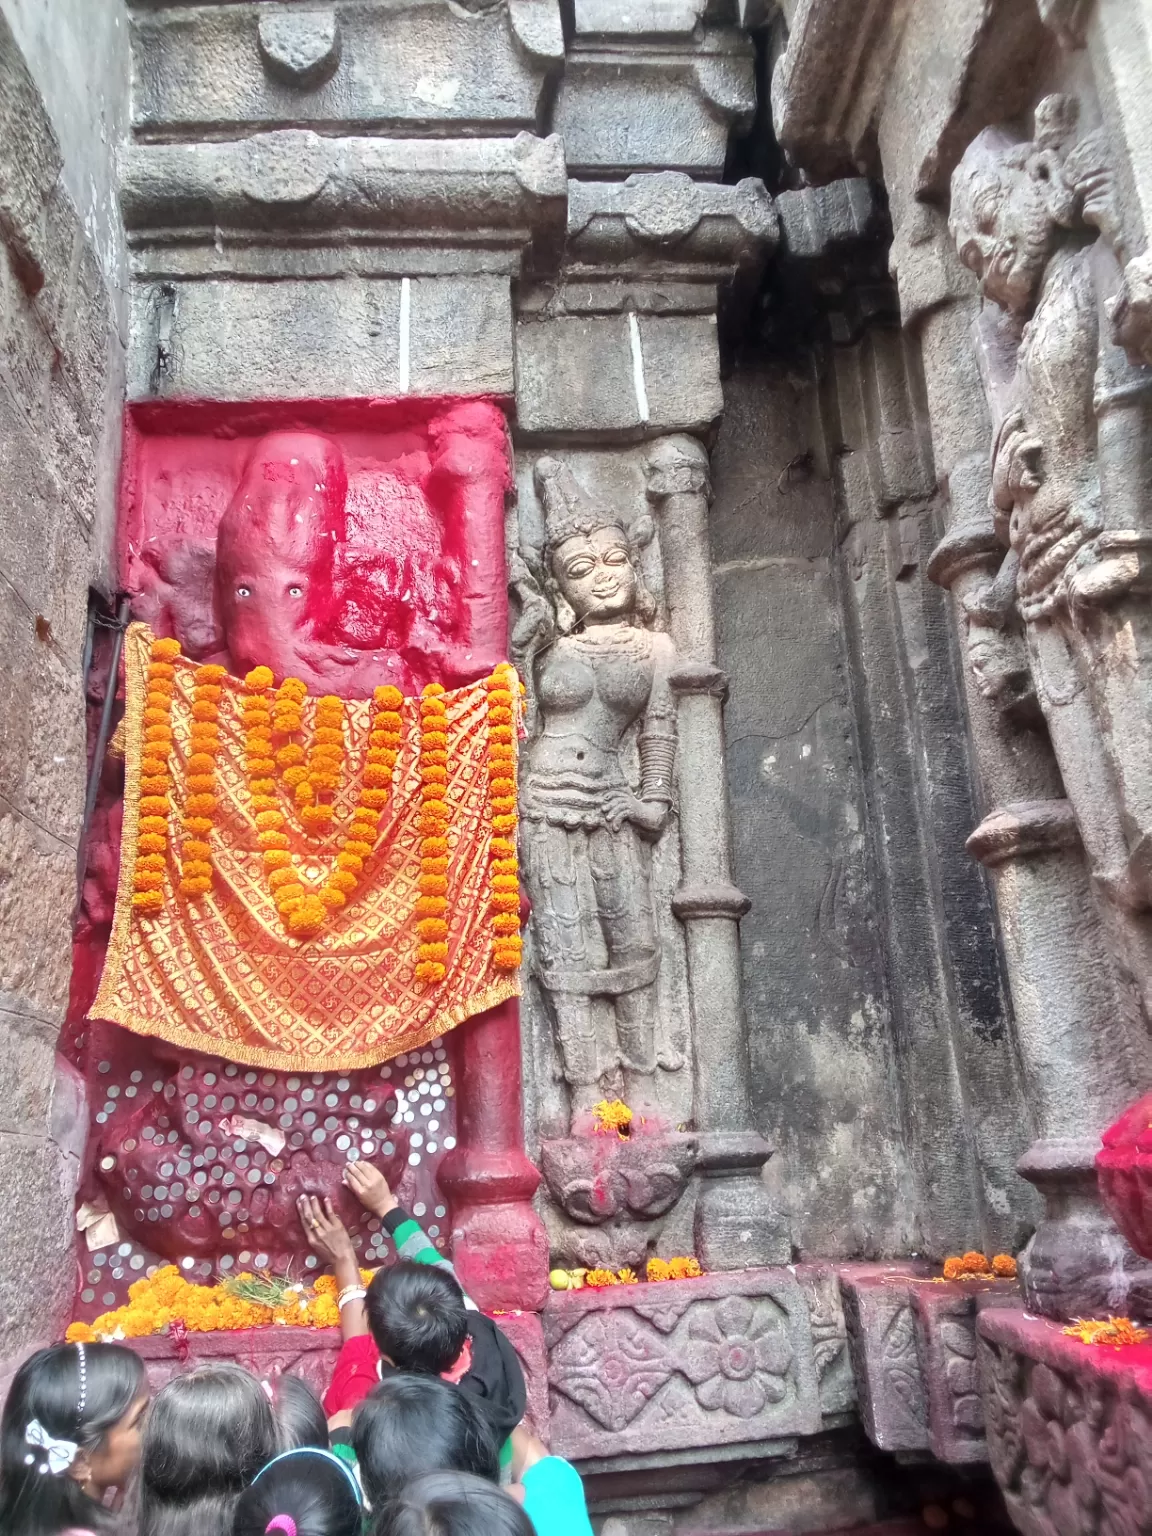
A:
(83, 1403)
(61, 1453)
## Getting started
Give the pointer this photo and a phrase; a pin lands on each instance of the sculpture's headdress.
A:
(291, 498)
(568, 508)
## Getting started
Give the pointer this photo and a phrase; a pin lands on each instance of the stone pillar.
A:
(499, 1245)
(729, 1228)
(1073, 1028)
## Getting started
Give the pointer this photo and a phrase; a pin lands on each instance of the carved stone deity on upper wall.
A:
(1036, 222)
(599, 669)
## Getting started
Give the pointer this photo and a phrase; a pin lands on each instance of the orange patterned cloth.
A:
(218, 972)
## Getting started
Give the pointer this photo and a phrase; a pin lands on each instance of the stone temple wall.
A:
(837, 316)
(63, 107)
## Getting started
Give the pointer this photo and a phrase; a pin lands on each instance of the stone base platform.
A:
(1069, 1427)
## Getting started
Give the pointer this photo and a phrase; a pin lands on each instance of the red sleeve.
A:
(357, 1371)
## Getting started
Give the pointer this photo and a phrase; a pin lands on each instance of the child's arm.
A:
(371, 1188)
(328, 1236)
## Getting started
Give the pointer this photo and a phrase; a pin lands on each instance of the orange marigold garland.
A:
(432, 905)
(200, 803)
(302, 909)
(155, 778)
(507, 946)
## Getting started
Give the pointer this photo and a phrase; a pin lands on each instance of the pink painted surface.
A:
(1124, 1174)
(347, 543)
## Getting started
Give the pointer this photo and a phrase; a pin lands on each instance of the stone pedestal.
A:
(1069, 1426)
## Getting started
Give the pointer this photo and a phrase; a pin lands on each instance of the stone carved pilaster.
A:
(728, 1231)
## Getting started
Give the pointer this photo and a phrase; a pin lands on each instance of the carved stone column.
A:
(731, 1229)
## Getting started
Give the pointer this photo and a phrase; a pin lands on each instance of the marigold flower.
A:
(195, 885)
(209, 692)
(433, 740)
(262, 803)
(275, 858)
(259, 677)
(154, 786)
(429, 972)
(429, 906)
(376, 776)
(282, 876)
(316, 817)
(506, 883)
(684, 1269)
(151, 861)
(202, 710)
(262, 787)
(201, 805)
(499, 735)
(155, 716)
(432, 930)
(386, 697)
(507, 954)
(342, 880)
(201, 762)
(198, 826)
(1004, 1265)
(504, 823)
(294, 777)
(269, 821)
(293, 688)
(259, 744)
(288, 756)
(350, 862)
(358, 850)
(148, 880)
(194, 848)
(435, 847)
(600, 1279)
(499, 698)
(627, 1277)
(389, 720)
(272, 839)
(148, 901)
(164, 650)
(154, 805)
(433, 885)
(506, 923)
(503, 805)
(157, 824)
(160, 671)
(505, 901)
(502, 848)
(657, 1269)
(150, 842)
(205, 737)
(500, 716)
(202, 783)
(331, 895)
(210, 672)
(160, 694)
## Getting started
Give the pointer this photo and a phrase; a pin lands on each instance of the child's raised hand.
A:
(326, 1233)
(370, 1187)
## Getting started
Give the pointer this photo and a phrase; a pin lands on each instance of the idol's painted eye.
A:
(295, 591)
(243, 591)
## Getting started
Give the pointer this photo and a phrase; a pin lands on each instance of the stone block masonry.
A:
(61, 383)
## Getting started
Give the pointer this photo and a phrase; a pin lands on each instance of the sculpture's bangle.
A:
(657, 766)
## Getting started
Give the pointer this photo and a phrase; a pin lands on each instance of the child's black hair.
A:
(47, 1389)
(312, 1488)
(207, 1436)
(414, 1424)
(417, 1316)
(299, 1413)
(451, 1504)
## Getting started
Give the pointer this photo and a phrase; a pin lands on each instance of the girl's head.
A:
(207, 1436)
(451, 1504)
(304, 1492)
(415, 1424)
(298, 1412)
(70, 1431)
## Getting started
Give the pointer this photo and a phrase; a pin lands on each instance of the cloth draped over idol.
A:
(219, 973)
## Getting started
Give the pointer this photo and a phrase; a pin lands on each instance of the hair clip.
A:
(83, 1403)
(61, 1453)
(283, 1523)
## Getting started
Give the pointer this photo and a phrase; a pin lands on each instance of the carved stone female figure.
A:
(587, 833)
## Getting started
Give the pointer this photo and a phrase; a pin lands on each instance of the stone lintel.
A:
(817, 221)
(824, 92)
(726, 1152)
(302, 189)
(1023, 830)
(218, 71)
(668, 226)
(703, 81)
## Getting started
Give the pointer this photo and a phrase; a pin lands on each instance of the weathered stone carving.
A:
(600, 669)
(1069, 1430)
(1068, 478)
(300, 48)
(712, 1361)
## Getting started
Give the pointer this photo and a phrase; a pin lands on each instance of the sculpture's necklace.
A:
(600, 641)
